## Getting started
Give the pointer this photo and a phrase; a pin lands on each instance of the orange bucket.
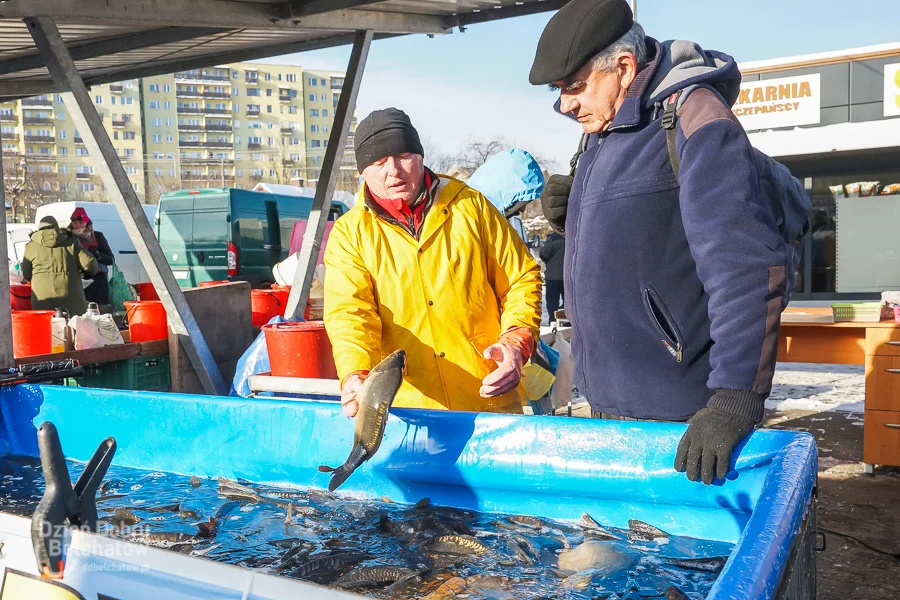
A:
(32, 332)
(20, 296)
(147, 321)
(300, 350)
(146, 291)
(265, 304)
(209, 283)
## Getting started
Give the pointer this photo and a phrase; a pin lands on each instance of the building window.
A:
(323, 82)
(128, 100)
(170, 139)
(323, 98)
(81, 152)
(237, 140)
(237, 107)
(62, 134)
(240, 172)
(59, 99)
(61, 116)
(253, 91)
(157, 138)
(324, 112)
(314, 144)
(115, 135)
(268, 108)
(156, 122)
(292, 78)
(85, 187)
(171, 172)
(271, 125)
(268, 91)
(129, 152)
(292, 110)
(237, 124)
(314, 112)
(238, 155)
(131, 170)
(312, 97)
(154, 104)
(271, 141)
(314, 128)
(167, 88)
(64, 151)
(168, 122)
(268, 77)
(98, 99)
(154, 87)
(313, 81)
(271, 172)
(167, 105)
(235, 91)
(235, 74)
(128, 135)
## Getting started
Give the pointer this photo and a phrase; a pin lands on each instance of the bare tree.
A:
(14, 178)
(160, 184)
(437, 160)
(476, 152)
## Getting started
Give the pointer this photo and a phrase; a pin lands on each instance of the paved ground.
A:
(858, 513)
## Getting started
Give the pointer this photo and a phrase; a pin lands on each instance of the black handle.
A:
(271, 246)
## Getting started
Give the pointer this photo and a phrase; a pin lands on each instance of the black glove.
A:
(555, 200)
(707, 445)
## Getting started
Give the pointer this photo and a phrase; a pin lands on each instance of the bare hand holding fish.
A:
(375, 396)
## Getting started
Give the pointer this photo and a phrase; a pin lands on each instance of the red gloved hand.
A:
(349, 390)
(509, 359)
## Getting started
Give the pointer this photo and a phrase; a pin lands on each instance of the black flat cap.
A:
(385, 133)
(577, 33)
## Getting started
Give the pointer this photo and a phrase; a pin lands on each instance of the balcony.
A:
(188, 93)
(11, 135)
(252, 112)
(38, 102)
(116, 89)
(6, 118)
(119, 124)
(217, 95)
(194, 177)
(37, 120)
(286, 98)
(189, 110)
(226, 128)
(254, 146)
(79, 140)
(40, 139)
(206, 144)
(39, 156)
(202, 77)
(185, 127)
(217, 111)
(83, 176)
(251, 80)
(287, 131)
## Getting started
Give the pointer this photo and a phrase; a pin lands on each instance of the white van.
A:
(107, 221)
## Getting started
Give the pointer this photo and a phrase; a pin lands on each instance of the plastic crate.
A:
(142, 373)
(857, 312)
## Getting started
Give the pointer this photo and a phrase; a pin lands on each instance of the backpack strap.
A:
(669, 118)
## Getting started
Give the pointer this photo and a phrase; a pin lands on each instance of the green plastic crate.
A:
(857, 312)
(142, 373)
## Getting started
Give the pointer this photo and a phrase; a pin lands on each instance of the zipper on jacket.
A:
(664, 322)
(577, 232)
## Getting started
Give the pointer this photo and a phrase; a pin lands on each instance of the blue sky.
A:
(474, 85)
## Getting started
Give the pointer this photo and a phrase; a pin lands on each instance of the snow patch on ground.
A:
(818, 388)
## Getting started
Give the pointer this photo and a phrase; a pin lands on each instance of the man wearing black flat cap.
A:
(675, 271)
(426, 264)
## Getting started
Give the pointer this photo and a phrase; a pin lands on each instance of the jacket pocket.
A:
(664, 323)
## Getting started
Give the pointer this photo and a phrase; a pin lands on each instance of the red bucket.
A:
(300, 350)
(286, 288)
(32, 332)
(146, 291)
(20, 296)
(147, 321)
(265, 304)
(209, 283)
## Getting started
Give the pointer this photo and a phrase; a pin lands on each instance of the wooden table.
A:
(875, 345)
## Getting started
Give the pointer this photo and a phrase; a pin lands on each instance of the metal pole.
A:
(78, 102)
(7, 360)
(318, 215)
(634, 9)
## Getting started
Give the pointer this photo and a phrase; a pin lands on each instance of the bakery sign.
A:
(784, 102)
(892, 90)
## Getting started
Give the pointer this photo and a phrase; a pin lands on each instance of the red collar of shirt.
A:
(401, 211)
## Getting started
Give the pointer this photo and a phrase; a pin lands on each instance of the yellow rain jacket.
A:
(443, 298)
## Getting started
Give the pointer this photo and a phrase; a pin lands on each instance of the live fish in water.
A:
(365, 577)
(327, 568)
(638, 530)
(375, 399)
(606, 557)
(594, 529)
(242, 493)
(124, 518)
(673, 593)
(194, 481)
(455, 544)
(710, 565)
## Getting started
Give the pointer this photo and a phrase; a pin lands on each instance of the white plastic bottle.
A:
(60, 332)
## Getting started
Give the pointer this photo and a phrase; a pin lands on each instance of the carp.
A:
(375, 399)
(710, 565)
(455, 544)
(640, 531)
(366, 577)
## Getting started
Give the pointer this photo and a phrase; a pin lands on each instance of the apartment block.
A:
(226, 126)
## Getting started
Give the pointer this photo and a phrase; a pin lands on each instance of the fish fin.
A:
(338, 476)
(326, 469)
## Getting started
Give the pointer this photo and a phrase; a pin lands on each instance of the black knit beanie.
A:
(385, 133)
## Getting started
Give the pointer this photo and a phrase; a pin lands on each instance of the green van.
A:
(227, 233)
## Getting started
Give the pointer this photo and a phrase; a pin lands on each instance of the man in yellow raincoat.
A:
(427, 264)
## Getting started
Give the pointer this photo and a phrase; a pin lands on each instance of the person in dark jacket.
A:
(54, 261)
(674, 286)
(95, 243)
(552, 253)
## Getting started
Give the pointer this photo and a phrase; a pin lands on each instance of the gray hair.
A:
(634, 42)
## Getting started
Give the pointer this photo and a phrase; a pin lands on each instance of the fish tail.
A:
(338, 476)
(326, 469)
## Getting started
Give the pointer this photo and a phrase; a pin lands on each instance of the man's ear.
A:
(626, 69)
